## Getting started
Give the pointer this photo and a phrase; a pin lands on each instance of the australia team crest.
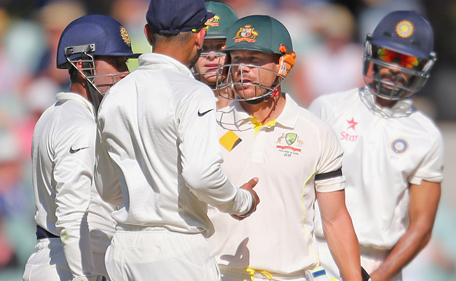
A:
(214, 21)
(246, 33)
(289, 144)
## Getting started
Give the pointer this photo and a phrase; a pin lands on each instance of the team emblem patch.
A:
(246, 33)
(289, 144)
(125, 37)
(399, 146)
(404, 29)
(214, 21)
(290, 138)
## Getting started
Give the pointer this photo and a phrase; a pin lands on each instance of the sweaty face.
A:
(109, 70)
(253, 73)
(210, 59)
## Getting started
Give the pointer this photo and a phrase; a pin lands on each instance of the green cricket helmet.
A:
(219, 25)
(260, 33)
(221, 22)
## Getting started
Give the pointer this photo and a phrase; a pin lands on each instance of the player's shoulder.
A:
(337, 99)
(308, 120)
(74, 108)
(426, 124)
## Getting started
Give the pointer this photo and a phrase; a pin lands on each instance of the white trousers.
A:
(48, 262)
(154, 253)
(371, 259)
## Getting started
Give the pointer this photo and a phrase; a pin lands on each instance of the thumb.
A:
(253, 182)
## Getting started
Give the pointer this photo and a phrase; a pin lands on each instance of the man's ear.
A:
(199, 40)
(80, 65)
(149, 34)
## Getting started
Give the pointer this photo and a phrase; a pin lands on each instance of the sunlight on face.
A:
(255, 69)
(209, 60)
(109, 70)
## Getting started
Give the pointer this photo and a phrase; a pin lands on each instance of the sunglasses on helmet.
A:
(404, 60)
(195, 30)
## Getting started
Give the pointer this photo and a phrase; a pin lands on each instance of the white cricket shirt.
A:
(385, 150)
(158, 136)
(63, 165)
(285, 155)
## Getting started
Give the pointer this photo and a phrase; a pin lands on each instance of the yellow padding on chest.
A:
(229, 140)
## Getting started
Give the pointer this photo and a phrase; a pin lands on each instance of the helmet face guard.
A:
(255, 33)
(88, 70)
(398, 55)
(228, 88)
(234, 87)
(399, 82)
(205, 74)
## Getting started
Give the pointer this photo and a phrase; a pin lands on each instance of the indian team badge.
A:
(289, 144)
(246, 33)
(404, 29)
(399, 146)
(125, 37)
(214, 21)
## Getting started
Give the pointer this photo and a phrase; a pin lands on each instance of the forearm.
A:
(410, 244)
(105, 176)
(74, 233)
(424, 199)
(344, 246)
(72, 200)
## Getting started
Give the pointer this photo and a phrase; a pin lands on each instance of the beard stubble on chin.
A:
(397, 78)
(195, 58)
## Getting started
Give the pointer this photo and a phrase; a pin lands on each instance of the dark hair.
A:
(180, 38)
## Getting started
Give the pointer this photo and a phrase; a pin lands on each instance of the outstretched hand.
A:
(255, 199)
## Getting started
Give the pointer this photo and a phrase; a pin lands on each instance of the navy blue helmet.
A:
(93, 35)
(403, 41)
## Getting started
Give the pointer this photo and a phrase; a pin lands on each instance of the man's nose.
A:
(212, 55)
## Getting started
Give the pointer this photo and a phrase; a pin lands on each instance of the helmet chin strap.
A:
(268, 95)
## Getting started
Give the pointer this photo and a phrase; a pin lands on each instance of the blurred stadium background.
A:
(328, 38)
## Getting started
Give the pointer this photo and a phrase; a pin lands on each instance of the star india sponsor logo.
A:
(348, 133)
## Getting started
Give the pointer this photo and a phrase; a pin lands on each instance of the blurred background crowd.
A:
(328, 38)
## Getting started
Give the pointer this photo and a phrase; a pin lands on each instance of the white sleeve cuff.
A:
(243, 202)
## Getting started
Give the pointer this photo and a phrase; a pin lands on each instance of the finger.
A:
(252, 182)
